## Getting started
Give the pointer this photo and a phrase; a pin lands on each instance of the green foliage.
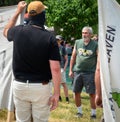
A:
(116, 97)
(118, 1)
(28, 1)
(71, 16)
(68, 17)
(8, 2)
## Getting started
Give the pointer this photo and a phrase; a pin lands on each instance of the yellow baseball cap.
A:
(35, 7)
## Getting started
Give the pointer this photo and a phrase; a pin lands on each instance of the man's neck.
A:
(86, 42)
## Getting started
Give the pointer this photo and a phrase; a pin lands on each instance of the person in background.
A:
(69, 52)
(36, 60)
(64, 63)
(95, 37)
(83, 64)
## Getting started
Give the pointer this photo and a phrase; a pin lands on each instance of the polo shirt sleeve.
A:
(11, 33)
(54, 53)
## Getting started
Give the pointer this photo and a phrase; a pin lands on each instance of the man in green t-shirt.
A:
(82, 69)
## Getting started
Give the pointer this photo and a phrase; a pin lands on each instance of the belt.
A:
(32, 81)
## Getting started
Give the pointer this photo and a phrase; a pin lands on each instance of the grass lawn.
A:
(66, 112)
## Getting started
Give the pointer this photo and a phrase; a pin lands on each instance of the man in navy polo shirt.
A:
(36, 60)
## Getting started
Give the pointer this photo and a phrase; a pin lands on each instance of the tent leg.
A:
(10, 116)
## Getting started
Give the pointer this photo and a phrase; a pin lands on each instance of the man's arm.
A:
(98, 99)
(56, 78)
(12, 22)
(72, 62)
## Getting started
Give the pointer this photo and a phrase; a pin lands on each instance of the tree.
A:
(69, 16)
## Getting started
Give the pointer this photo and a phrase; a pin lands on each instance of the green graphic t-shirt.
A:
(86, 56)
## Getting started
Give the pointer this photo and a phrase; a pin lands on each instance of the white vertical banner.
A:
(109, 48)
(6, 48)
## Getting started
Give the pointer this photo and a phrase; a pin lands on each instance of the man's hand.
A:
(12, 21)
(98, 100)
(21, 6)
(71, 75)
(53, 102)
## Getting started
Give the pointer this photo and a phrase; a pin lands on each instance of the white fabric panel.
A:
(6, 48)
(109, 47)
